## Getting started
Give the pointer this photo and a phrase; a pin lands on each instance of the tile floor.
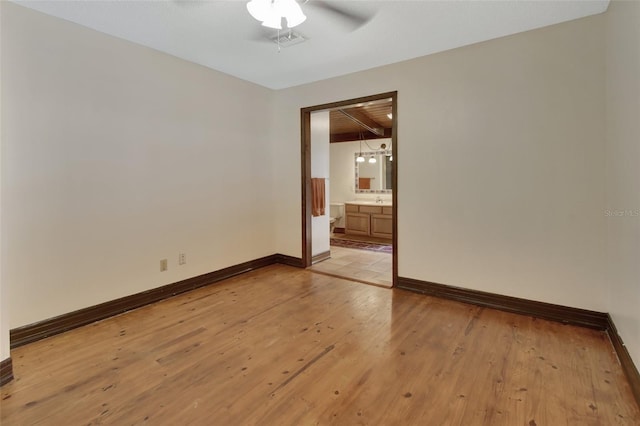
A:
(360, 265)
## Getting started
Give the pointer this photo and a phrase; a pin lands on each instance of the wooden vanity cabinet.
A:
(381, 226)
(370, 220)
(357, 224)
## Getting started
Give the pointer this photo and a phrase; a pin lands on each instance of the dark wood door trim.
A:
(305, 119)
(305, 146)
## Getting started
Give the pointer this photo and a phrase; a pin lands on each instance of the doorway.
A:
(307, 257)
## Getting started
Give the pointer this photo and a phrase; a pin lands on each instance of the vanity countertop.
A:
(370, 203)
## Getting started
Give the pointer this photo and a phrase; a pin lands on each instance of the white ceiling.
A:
(223, 36)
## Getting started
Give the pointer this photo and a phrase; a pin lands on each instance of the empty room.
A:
(173, 182)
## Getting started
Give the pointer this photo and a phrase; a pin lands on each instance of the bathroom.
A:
(357, 164)
(355, 182)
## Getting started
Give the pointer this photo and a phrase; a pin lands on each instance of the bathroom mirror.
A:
(374, 178)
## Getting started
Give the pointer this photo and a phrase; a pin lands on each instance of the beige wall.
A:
(500, 166)
(623, 170)
(115, 156)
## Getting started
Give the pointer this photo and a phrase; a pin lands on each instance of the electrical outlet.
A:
(163, 265)
(182, 258)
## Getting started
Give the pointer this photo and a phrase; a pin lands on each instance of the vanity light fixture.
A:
(271, 12)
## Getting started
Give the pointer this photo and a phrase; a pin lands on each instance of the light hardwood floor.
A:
(284, 346)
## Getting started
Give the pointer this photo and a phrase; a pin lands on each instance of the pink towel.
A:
(317, 196)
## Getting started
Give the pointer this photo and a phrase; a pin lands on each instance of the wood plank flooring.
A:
(284, 346)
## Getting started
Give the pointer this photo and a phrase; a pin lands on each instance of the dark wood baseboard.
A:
(626, 362)
(52, 326)
(320, 257)
(6, 371)
(289, 260)
(549, 311)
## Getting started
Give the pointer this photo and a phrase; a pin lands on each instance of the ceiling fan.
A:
(272, 13)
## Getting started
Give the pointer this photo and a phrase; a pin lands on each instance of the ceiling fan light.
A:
(271, 12)
(295, 19)
(273, 21)
(259, 9)
(291, 10)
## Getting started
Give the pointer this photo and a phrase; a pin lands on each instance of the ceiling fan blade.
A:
(351, 20)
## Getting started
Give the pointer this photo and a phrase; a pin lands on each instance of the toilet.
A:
(336, 212)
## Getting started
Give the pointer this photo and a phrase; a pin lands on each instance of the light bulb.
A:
(372, 159)
(360, 159)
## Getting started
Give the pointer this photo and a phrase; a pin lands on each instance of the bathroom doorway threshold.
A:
(355, 280)
(363, 266)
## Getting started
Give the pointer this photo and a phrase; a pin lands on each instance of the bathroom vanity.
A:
(369, 218)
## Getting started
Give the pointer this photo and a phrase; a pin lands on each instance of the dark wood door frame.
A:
(305, 120)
